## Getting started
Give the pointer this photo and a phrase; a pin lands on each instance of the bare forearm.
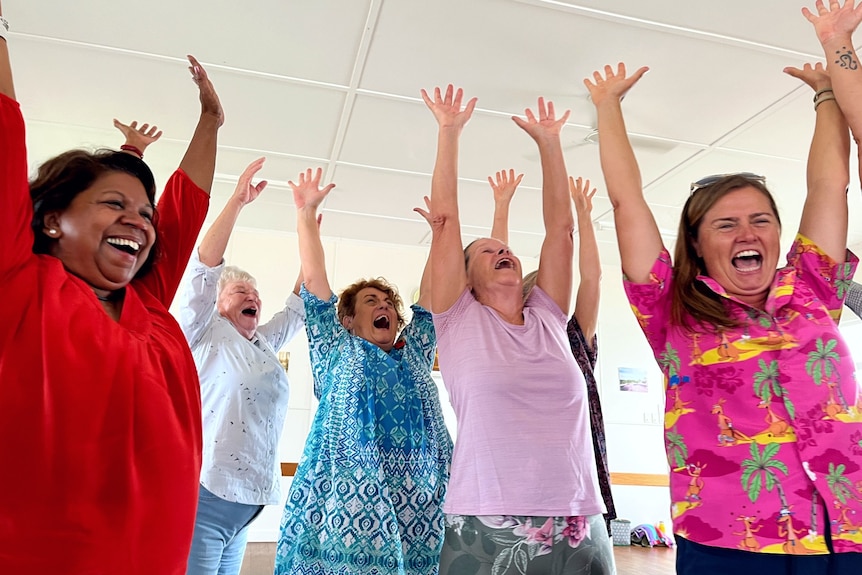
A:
(845, 71)
(444, 181)
(589, 264)
(425, 285)
(556, 202)
(200, 157)
(824, 215)
(214, 244)
(311, 254)
(500, 227)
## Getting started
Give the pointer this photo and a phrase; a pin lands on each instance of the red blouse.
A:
(100, 420)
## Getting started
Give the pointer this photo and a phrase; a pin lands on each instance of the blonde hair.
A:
(232, 274)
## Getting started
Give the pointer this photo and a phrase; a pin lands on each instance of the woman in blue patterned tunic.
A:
(367, 496)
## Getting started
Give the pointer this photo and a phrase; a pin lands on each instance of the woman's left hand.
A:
(545, 125)
(210, 104)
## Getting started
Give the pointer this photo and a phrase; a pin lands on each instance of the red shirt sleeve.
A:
(180, 214)
(16, 208)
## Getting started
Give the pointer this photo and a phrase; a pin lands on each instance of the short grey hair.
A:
(232, 274)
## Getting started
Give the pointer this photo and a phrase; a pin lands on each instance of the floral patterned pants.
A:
(515, 545)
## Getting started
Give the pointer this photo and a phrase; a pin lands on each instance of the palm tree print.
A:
(759, 472)
(822, 363)
(669, 361)
(767, 384)
(843, 279)
(676, 447)
(841, 487)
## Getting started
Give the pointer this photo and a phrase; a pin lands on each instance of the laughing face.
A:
(239, 303)
(374, 318)
(490, 261)
(106, 233)
(739, 241)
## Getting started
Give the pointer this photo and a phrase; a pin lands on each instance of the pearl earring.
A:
(52, 231)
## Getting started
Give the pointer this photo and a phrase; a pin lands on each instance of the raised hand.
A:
(447, 107)
(210, 103)
(835, 20)
(139, 137)
(613, 86)
(505, 185)
(426, 213)
(581, 195)
(245, 191)
(308, 194)
(545, 125)
(815, 76)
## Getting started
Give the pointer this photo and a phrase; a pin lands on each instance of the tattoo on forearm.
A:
(846, 59)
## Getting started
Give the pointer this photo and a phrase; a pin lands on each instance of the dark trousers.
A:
(696, 559)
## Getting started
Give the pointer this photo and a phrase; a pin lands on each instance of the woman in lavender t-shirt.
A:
(523, 494)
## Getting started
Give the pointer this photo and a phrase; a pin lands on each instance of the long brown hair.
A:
(693, 302)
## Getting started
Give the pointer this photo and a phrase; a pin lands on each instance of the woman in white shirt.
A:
(244, 390)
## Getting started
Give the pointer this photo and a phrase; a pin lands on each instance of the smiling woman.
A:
(96, 381)
(367, 494)
(735, 336)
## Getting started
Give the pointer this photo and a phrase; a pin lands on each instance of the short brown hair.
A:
(347, 298)
(691, 299)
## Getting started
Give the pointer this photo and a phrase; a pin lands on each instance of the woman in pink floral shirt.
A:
(763, 423)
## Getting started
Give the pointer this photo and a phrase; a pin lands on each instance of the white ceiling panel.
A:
(308, 40)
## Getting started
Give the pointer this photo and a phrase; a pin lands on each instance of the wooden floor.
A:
(260, 560)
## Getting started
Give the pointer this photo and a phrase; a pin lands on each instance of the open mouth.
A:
(747, 261)
(250, 312)
(505, 264)
(129, 246)
(382, 322)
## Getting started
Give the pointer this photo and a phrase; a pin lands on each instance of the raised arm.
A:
(199, 160)
(834, 25)
(555, 259)
(7, 88)
(425, 282)
(137, 138)
(504, 189)
(307, 195)
(824, 215)
(212, 248)
(589, 265)
(447, 260)
(637, 233)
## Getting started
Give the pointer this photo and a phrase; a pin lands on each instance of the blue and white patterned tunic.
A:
(368, 493)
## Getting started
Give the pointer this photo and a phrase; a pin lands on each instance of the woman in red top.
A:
(99, 398)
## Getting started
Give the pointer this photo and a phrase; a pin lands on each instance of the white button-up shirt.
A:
(244, 390)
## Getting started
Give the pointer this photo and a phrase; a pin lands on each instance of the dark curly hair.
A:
(59, 180)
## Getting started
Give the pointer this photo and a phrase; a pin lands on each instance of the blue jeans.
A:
(221, 532)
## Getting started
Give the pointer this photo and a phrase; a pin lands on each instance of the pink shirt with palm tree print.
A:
(763, 422)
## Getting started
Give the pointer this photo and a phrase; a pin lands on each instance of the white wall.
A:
(633, 421)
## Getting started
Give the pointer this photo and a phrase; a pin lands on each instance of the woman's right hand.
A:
(308, 194)
(447, 107)
(613, 86)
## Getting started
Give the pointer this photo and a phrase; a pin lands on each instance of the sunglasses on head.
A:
(710, 180)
